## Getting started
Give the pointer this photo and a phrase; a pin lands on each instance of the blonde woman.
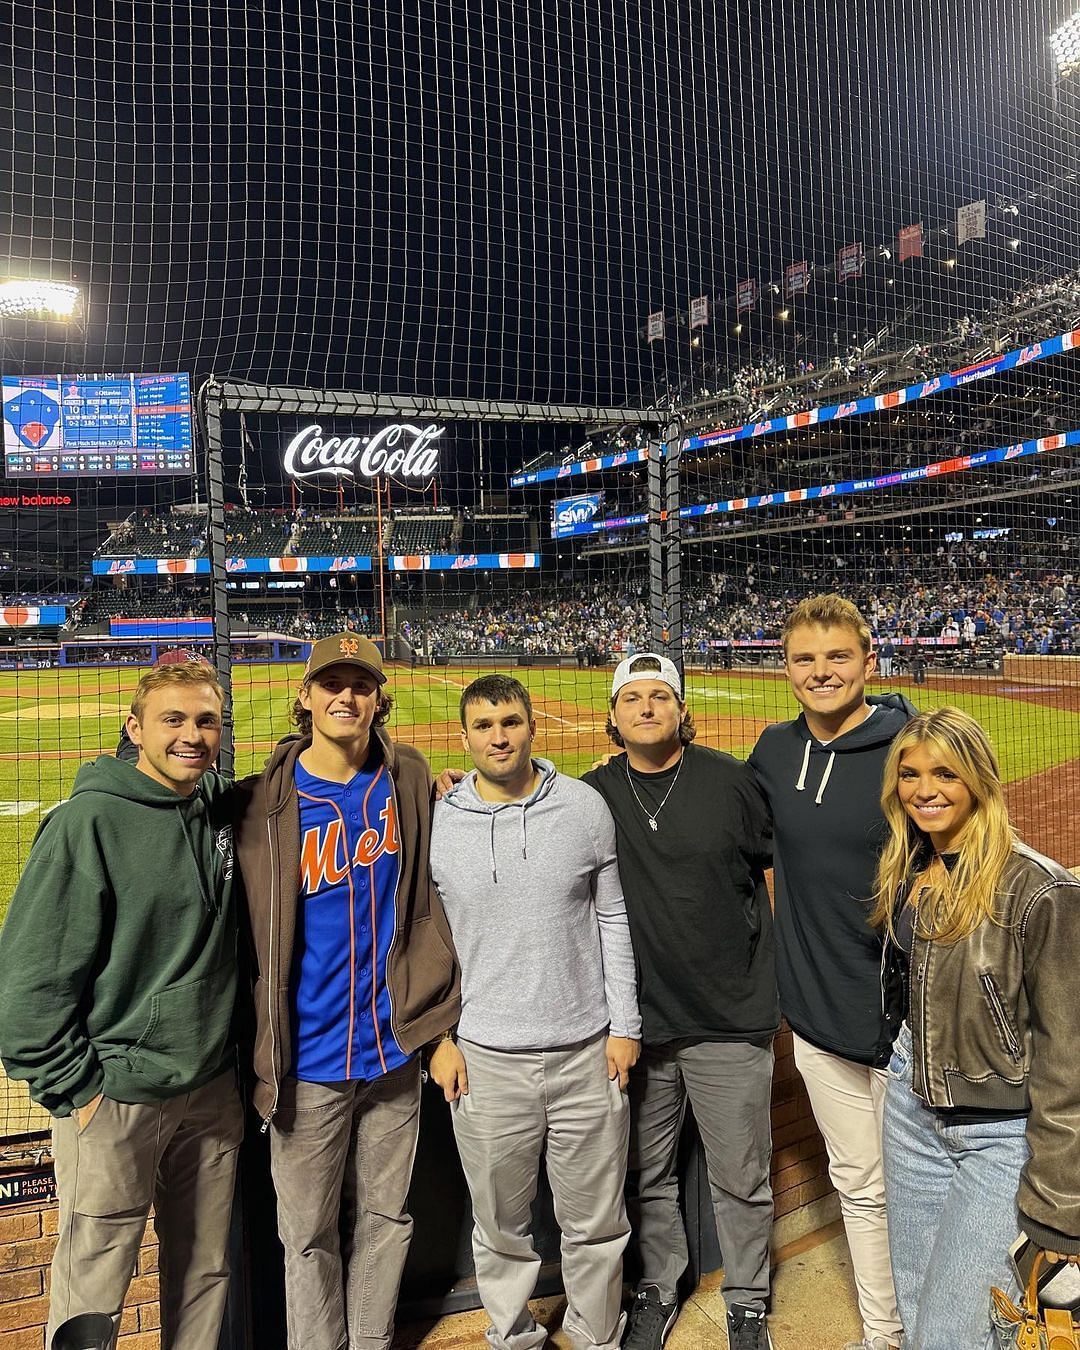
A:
(982, 1107)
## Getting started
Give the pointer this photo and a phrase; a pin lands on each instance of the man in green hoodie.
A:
(117, 993)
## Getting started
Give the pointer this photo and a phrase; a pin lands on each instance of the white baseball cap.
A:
(643, 666)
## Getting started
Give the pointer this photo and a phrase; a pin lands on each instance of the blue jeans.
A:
(950, 1192)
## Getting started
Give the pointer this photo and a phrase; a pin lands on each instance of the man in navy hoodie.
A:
(821, 774)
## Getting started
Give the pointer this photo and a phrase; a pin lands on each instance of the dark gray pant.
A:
(729, 1085)
(348, 1146)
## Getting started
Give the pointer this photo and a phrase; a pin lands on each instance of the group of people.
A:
(576, 961)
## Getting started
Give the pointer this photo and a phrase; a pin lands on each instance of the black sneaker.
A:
(650, 1321)
(747, 1328)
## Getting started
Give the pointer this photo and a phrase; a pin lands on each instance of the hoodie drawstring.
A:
(824, 776)
(491, 837)
(800, 783)
(208, 899)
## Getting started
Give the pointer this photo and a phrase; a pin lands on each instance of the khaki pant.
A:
(848, 1101)
(344, 1149)
(561, 1103)
(178, 1155)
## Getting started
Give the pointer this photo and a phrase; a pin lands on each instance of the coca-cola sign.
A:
(399, 450)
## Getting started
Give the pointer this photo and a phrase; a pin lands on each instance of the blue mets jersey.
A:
(349, 863)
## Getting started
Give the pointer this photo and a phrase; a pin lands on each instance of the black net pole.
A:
(215, 492)
(657, 606)
(672, 535)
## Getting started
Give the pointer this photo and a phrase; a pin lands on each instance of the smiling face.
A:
(934, 796)
(343, 701)
(828, 669)
(178, 732)
(499, 738)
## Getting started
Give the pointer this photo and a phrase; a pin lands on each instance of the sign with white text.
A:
(399, 450)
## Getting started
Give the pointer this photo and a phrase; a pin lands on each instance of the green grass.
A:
(51, 721)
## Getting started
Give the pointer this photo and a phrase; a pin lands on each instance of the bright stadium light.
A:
(1065, 44)
(21, 298)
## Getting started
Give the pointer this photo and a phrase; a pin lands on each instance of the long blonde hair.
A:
(957, 900)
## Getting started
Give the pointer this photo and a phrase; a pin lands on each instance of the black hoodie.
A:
(828, 829)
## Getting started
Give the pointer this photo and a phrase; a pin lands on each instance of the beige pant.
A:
(848, 1100)
(559, 1103)
(179, 1155)
(341, 1155)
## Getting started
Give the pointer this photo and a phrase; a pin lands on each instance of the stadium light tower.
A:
(24, 298)
(1065, 44)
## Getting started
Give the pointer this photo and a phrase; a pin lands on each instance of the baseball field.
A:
(52, 721)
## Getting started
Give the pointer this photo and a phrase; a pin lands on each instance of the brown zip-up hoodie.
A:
(421, 969)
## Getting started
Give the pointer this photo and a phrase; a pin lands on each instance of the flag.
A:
(971, 222)
(798, 278)
(654, 327)
(699, 311)
(746, 295)
(911, 241)
(849, 262)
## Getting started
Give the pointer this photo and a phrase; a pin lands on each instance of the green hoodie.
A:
(118, 954)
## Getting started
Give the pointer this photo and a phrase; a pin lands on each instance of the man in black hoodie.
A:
(821, 774)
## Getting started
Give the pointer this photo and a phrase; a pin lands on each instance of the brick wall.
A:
(28, 1233)
(27, 1239)
(799, 1164)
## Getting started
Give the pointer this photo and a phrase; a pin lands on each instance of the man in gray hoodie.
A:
(524, 859)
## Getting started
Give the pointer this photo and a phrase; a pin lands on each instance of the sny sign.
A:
(399, 449)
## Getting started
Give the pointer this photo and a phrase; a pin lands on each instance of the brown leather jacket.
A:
(421, 969)
(995, 1023)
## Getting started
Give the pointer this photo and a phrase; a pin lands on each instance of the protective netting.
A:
(832, 248)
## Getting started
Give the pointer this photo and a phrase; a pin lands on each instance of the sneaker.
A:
(650, 1321)
(747, 1328)
(878, 1343)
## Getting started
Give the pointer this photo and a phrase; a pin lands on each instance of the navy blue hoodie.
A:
(827, 832)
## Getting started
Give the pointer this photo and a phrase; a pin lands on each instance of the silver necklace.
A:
(651, 817)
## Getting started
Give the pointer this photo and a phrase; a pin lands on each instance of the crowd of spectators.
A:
(958, 597)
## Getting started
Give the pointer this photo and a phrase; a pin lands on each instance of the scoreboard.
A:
(78, 426)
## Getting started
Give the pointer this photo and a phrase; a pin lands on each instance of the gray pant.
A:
(520, 1103)
(729, 1085)
(334, 1148)
(179, 1155)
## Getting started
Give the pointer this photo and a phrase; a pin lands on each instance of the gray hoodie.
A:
(531, 889)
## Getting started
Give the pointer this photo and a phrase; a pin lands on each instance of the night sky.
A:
(487, 200)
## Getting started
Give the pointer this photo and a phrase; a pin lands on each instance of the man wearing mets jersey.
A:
(356, 972)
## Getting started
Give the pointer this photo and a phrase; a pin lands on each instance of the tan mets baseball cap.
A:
(345, 649)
